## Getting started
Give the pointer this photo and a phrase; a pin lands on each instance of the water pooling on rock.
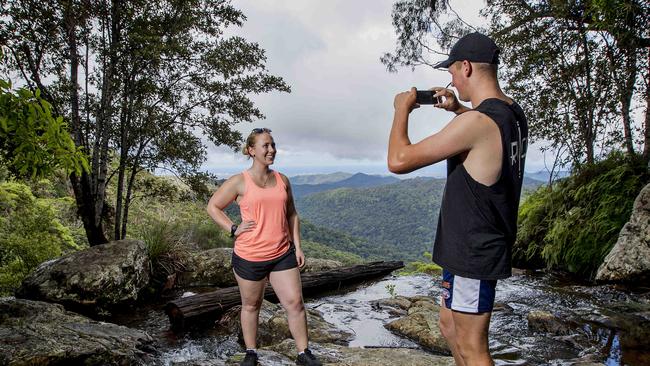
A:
(604, 325)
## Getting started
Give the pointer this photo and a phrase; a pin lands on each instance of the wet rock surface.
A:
(629, 259)
(544, 321)
(39, 333)
(95, 279)
(421, 324)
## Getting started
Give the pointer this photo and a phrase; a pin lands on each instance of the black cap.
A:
(474, 47)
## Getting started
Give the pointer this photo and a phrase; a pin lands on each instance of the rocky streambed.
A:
(540, 319)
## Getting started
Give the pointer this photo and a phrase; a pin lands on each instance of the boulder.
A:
(543, 321)
(331, 354)
(209, 268)
(318, 264)
(629, 259)
(397, 302)
(93, 279)
(421, 325)
(39, 333)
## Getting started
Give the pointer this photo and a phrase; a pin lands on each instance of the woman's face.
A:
(264, 149)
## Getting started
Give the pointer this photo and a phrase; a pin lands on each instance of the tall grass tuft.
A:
(167, 253)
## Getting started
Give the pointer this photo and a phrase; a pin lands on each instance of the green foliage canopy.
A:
(33, 141)
(139, 80)
(574, 224)
(579, 68)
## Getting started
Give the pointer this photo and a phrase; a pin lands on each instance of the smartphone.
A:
(426, 97)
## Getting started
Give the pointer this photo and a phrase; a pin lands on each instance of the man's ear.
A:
(467, 69)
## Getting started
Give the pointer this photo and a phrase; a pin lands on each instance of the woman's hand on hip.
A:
(300, 258)
(244, 227)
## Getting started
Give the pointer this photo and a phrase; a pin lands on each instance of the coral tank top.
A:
(268, 208)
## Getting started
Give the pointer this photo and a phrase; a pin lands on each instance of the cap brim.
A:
(444, 64)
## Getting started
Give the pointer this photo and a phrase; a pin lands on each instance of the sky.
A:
(339, 112)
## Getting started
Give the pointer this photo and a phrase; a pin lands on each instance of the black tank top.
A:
(478, 224)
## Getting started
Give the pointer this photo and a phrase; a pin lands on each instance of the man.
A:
(485, 150)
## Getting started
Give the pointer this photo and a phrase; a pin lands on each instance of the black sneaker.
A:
(250, 359)
(308, 359)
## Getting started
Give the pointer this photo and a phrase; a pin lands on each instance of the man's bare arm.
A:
(458, 136)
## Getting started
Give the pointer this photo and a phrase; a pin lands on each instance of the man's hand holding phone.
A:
(447, 100)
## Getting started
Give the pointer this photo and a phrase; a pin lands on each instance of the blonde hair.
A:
(250, 140)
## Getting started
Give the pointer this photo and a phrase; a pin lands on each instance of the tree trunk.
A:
(646, 130)
(215, 303)
(119, 199)
(100, 156)
(85, 209)
(81, 185)
(124, 155)
(129, 189)
(626, 99)
(127, 199)
(646, 140)
(590, 123)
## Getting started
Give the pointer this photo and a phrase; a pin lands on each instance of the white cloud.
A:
(341, 106)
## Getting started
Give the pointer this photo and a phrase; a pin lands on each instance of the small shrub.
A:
(417, 267)
(30, 234)
(206, 234)
(192, 223)
(322, 251)
(390, 288)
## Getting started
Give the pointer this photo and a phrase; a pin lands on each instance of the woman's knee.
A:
(251, 305)
(294, 305)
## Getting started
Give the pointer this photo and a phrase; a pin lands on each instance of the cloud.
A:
(341, 106)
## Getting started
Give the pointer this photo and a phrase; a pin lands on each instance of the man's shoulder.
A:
(472, 119)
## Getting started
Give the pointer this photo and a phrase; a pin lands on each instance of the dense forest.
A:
(400, 216)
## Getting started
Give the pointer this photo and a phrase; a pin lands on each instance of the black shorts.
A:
(256, 271)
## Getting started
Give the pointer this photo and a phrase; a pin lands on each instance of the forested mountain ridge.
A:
(358, 180)
(401, 216)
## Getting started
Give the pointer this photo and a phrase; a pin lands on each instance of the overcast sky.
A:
(339, 112)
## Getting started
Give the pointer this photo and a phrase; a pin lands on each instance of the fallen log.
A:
(216, 302)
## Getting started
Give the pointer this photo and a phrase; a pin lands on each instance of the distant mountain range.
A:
(319, 178)
(543, 175)
(358, 180)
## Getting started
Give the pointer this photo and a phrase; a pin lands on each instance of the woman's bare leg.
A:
(251, 300)
(288, 288)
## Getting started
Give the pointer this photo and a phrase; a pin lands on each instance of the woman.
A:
(267, 243)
